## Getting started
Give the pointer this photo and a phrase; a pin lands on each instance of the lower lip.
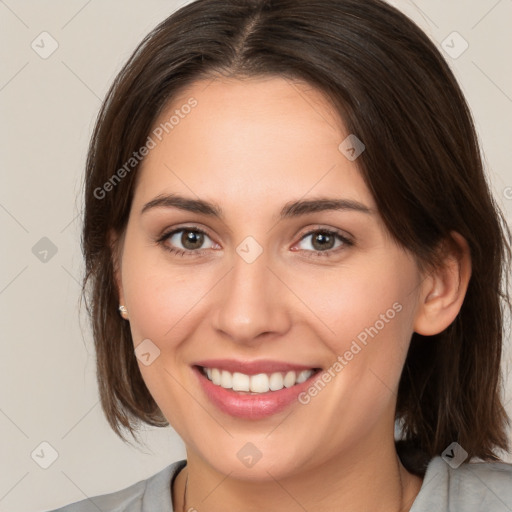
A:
(249, 406)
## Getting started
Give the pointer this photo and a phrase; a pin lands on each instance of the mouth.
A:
(253, 390)
(259, 383)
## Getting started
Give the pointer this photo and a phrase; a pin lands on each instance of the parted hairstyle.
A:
(422, 164)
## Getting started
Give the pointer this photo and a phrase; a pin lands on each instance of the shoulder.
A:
(471, 487)
(152, 494)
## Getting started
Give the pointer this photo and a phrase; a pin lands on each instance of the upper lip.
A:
(253, 367)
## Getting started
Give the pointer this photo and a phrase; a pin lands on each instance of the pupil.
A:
(192, 239)
(324, 239)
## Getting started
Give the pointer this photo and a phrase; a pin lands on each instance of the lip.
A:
(252, 367)
(246, 405)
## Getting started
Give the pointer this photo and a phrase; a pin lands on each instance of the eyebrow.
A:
(290, 209)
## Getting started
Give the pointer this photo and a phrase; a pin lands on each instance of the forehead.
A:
(262, 140)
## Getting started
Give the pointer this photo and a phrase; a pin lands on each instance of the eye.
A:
(324, 242)
(190, 240)
(186, 241)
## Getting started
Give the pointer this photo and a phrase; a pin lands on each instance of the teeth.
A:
(226, 379)
(276, 382)
(260, 383)
(303, 376)
(215, 376)
(241, 382)
(289, 379)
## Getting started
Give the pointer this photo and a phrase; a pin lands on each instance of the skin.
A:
(251, 146)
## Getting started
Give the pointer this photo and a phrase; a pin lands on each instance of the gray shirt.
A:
(473, 487)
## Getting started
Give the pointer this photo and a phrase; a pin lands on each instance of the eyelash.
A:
(313, 254)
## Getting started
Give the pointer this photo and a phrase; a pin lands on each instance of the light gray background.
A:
(47, 107)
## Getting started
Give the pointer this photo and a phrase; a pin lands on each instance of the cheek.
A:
(159, 296)
(364, 317)
(364, 313)
(164, 302)
(348, 300)
(159, 302)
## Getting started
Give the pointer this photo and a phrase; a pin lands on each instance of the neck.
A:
(367, 480)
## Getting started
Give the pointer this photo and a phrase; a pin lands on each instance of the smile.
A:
(259, 383)
(253, 390)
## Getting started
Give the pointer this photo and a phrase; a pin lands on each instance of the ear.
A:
(116, 246)
(443, 290)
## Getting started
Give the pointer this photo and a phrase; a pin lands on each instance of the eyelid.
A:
(167, 233)
(315, 229)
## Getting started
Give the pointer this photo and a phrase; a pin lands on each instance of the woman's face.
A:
(282, 280)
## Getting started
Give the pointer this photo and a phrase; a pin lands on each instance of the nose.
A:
(253, 304)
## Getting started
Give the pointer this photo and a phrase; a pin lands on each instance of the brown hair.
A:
(422, 164)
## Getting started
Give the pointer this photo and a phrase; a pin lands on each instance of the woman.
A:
(291, 247)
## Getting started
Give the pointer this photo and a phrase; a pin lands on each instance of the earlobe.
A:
(443, 290)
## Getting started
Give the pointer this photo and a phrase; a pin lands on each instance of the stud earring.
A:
(124, 312)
